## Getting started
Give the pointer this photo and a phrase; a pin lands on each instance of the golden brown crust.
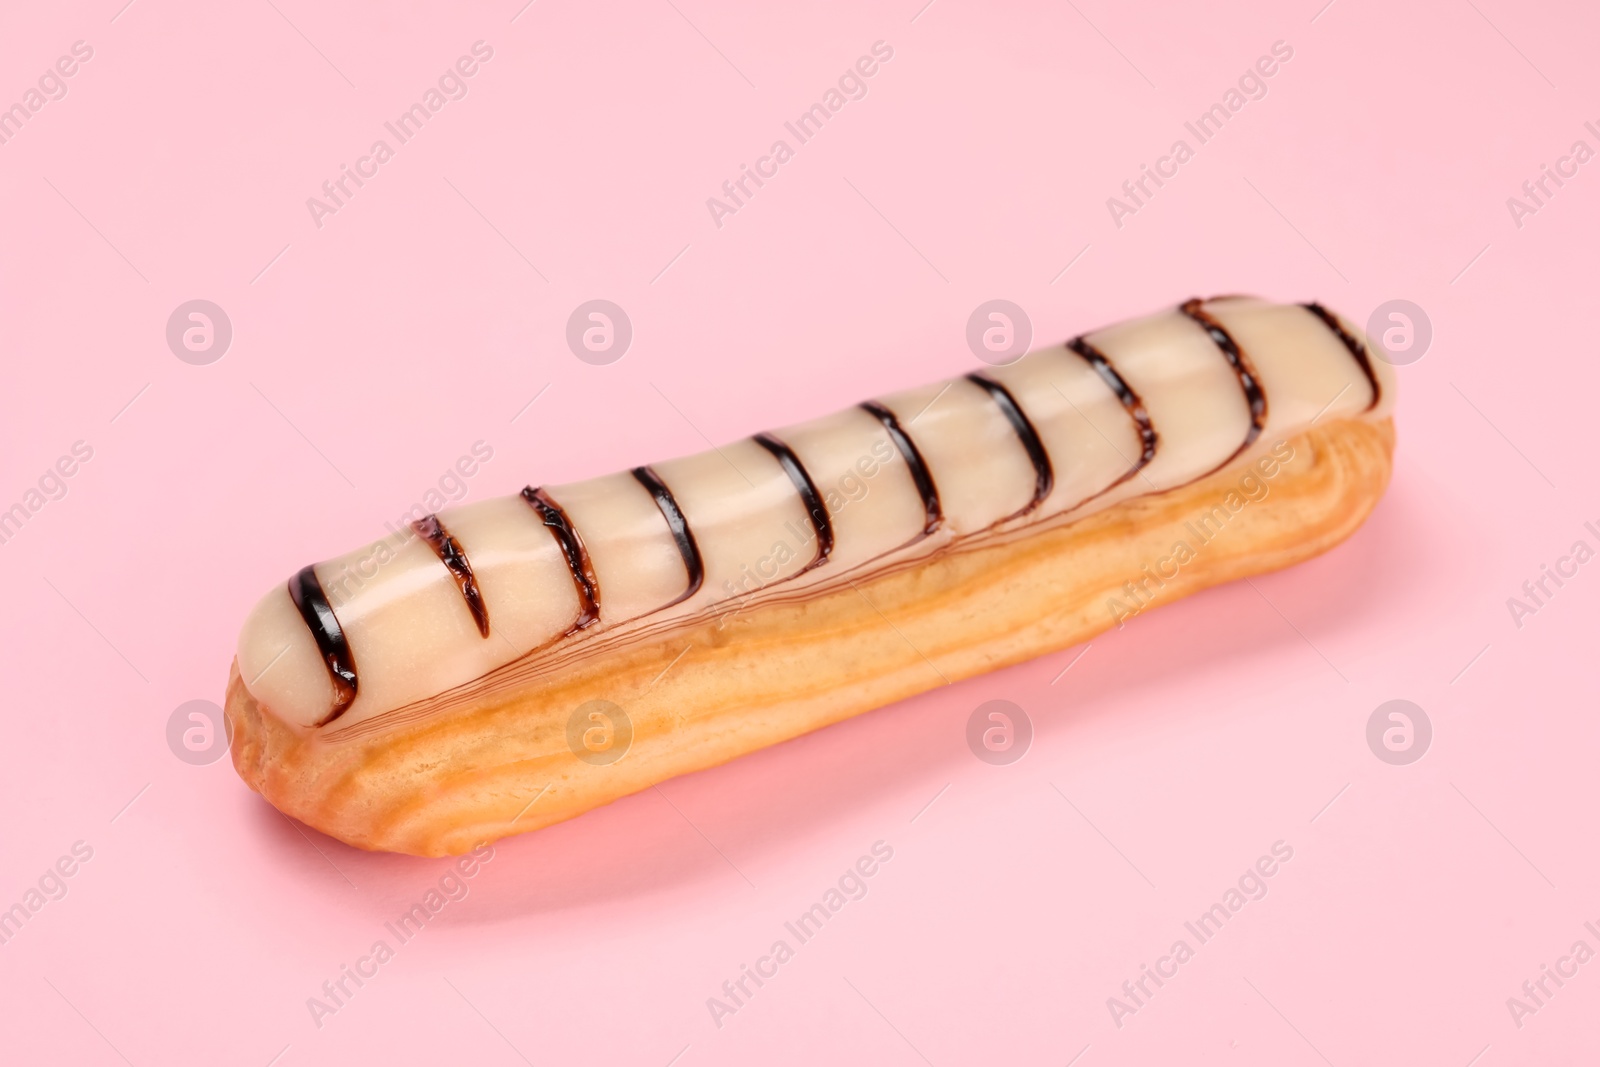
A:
(499, 762)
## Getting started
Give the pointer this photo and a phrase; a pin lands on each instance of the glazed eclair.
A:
(509, 663)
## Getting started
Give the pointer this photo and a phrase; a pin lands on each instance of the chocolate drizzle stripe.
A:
(1044, 475)
(803, 485)
(1357, 348)
(454, 558)
(312, 603)
(931, 507)
(1253, 396)
(573, 548)
(1148, 438)
(687, 548)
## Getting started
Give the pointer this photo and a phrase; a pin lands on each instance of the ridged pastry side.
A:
(472, 771)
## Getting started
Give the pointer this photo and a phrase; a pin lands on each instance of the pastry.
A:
(513, 662)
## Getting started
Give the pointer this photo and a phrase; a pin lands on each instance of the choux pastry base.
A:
(499, 762)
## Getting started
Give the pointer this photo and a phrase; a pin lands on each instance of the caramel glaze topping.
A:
(1148, 438)
(577, 556)
(932, 509)
(1044, 475)
(1357, 349)
(803, 485)
(1254, 397)
(306, 591)
(687, 548)
(450, 553)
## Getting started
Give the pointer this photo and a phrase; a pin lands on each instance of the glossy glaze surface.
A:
(1139, 407)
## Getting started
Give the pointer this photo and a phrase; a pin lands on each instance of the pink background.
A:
(373, 351)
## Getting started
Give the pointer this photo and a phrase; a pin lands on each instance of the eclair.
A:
(509, 663)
